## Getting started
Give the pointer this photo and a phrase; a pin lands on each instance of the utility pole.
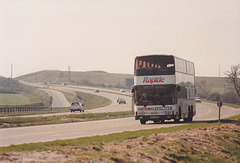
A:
(69, 73)
(219, 71)
(11, 70)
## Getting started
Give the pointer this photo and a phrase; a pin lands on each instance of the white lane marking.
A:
(209, 110)
(32, 134)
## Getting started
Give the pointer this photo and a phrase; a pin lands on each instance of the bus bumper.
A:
(156, 117)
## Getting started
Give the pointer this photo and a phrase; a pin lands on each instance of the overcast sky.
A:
(107, 35)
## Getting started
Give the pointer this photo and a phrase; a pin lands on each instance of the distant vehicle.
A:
(97, 90)
(198, 99)
(164, 89)
(121, 101)
(122, 90)
(77, 106)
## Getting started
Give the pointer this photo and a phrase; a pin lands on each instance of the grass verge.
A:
(91, 101)
(13, 99)
(199, 142)
(227, 104)
(28, 121)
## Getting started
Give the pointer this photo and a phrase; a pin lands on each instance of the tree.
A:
(233, 78)
(202, 89)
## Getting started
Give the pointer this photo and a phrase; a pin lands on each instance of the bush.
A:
(230, 97)
(214, 96)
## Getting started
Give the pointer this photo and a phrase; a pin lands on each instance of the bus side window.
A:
(182, 93)
(178, 88)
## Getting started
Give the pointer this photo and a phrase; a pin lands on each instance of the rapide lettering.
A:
(153, 80)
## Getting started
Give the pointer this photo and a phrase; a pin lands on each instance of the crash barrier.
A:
(24, 109)
(18, 109)
(21, 108)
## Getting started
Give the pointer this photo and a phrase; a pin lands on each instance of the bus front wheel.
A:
(142, 121)
(176, 120)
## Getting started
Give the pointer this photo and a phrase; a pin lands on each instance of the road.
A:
(43, 133)
(59, 99)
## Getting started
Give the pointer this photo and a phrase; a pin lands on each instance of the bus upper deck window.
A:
(170, 65)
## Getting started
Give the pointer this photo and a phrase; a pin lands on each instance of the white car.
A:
(198, 99)
(76, 106)
(121, 101)
(122, 90)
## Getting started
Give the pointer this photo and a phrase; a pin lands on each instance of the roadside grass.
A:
(149, 145)
(13, 99)
(97, 140)
(91, 101)
(40, 120)
(227, 104)
(70, 97)
(232, 105)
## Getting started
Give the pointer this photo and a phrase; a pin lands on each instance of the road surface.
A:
(59, 99)
(43, 133)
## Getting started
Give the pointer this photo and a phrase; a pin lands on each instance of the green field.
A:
(13, 99)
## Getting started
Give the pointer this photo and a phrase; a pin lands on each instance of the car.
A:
(121, 101)
(198, 99)
(122, 90)
(76, 106)
(97, 90)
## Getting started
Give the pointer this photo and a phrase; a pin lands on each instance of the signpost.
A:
(219, 104)
(51, 102)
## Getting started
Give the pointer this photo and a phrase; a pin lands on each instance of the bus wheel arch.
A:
(179, 115)
(143, 121)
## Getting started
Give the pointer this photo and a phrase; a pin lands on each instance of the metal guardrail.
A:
(18, 109)
(21, 108)
(24, 109)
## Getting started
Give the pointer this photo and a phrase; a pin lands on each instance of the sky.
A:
(107, 35)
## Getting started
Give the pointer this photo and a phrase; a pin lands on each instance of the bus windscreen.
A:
(154, 65)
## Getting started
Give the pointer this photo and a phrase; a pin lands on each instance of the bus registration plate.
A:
(154, 117)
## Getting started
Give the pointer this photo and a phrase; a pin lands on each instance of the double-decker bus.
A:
(163, 89)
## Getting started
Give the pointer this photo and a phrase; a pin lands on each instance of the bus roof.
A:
(160, 55)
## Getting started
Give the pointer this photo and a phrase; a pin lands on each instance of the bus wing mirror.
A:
(134, 88)
(178, 88)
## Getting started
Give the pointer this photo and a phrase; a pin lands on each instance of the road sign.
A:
(219, 104)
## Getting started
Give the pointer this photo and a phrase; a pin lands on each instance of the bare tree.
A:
(233, 78)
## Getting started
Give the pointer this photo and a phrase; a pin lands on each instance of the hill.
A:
(211, 88)
(89, 78)
(104, 79)
(213, 84)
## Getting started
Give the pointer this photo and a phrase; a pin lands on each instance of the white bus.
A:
(163, 89)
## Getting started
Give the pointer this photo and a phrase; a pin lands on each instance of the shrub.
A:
(214, 96)
(230, 97)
